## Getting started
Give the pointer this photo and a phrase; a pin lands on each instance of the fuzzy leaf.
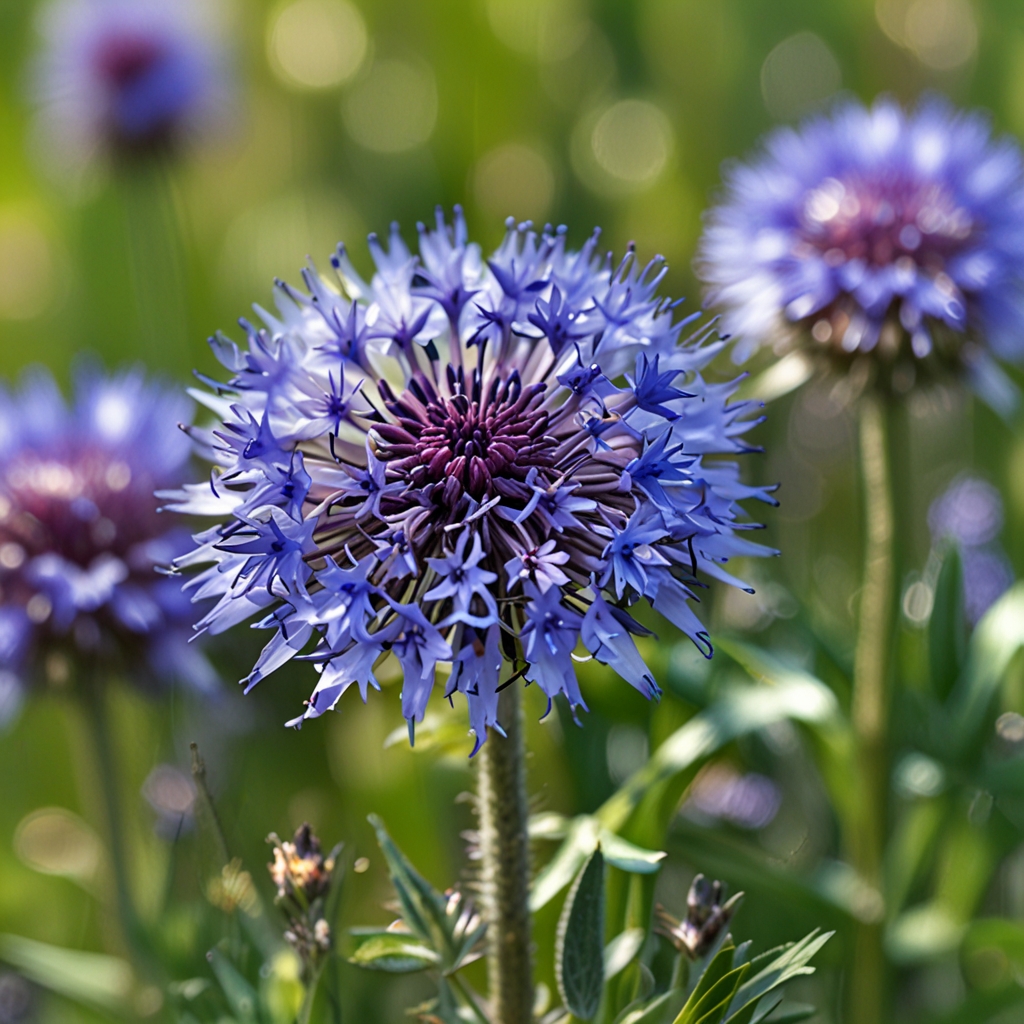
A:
(579, 945)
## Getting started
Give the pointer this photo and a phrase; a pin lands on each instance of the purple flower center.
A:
(45, 503)
(883, 222)
(124, 60)
(473, 442)
(151, 81)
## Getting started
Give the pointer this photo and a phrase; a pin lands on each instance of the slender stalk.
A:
(504, 845)
(870, 711)
(157, 271)
(95, 700)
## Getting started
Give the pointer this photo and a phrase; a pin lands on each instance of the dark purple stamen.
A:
(469, 439)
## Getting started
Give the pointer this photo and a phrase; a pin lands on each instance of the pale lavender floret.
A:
(549, 637)
(541, 565)
(476, 672)
(462, 581)
(473, 470)
(869, 215)
(605, 634)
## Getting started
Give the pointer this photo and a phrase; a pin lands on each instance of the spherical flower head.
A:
(80, 533)
(127, 77)
(879, 231)
(468, 464)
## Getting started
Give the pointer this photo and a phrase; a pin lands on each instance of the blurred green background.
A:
(349, 116)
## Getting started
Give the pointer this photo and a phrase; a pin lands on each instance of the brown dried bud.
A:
(706, 918)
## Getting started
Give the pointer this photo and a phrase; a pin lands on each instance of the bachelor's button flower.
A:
(128, 76)
(80, 533)
(456, 511)
(877, 230)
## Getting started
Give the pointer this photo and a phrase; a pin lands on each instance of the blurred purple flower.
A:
(128, 76)
(459, 490)
(877, 230)
(172, 795)
(80, 533)
(970, 513)
(749, 800)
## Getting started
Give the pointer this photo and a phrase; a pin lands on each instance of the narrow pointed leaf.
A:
(791, 963)
(995, 641)
(947, 629)
(395, 953)
(91, 978)
(241, 996)
(579, 946)
(423, 907)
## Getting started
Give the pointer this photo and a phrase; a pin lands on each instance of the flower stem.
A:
(870, 710)
(505, 850)
(95, 698)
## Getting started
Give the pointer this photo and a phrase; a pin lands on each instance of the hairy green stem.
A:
(505, 850)
(870, 710)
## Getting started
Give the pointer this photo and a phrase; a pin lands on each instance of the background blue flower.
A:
(872, 228)
(81, 537)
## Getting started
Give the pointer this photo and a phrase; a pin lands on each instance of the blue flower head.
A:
(879, 231)
(128, 76)
(509, 457)
(80, 534)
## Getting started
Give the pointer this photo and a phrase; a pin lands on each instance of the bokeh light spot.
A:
(942, 34)
(546, 29)
(54, 841)
(632, 141)
(26, 267)
(514, 179)
(797, 75)
(316, 44)
(394, 108)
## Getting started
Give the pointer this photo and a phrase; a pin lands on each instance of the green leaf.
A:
(790, 963)
(241, 996)
(790, 1013)
(947, 630)
(91, 978)
(579, 844)
(583, 835)
(659, 1010)
(621, 950)
(716, 989)
(393, 952)
(784, 693)
(442, 921)
(627, 856)
(579, 944)
(995, 641)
